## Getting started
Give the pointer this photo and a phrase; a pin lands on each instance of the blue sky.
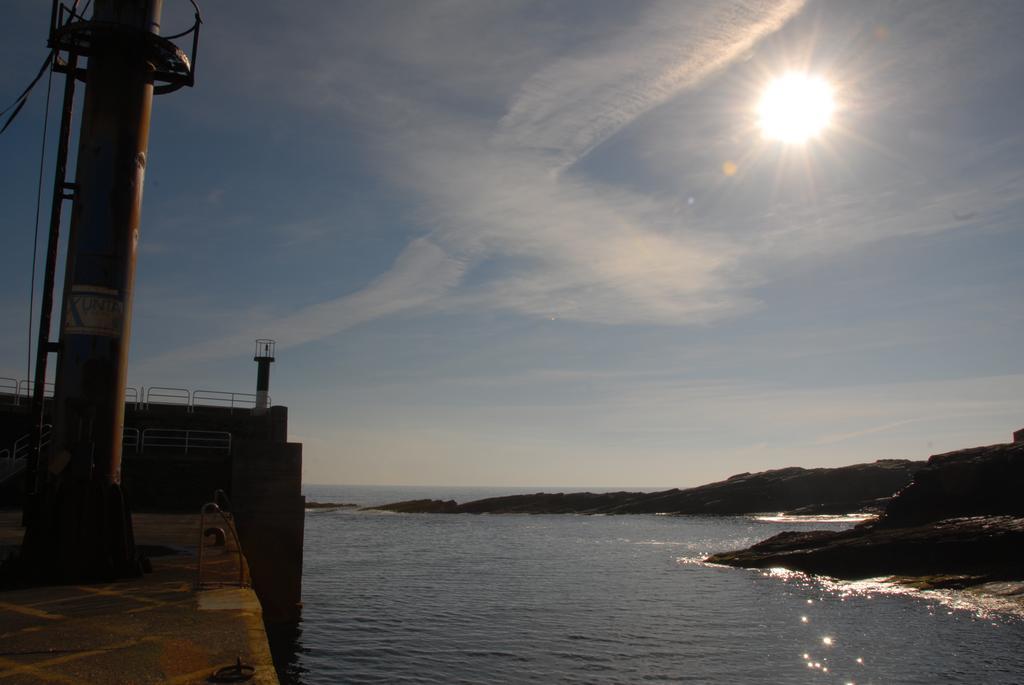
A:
(497, 243)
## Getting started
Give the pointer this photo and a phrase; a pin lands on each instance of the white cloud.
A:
(558, 246)
(576, 103)
(419, 276)
(580, 250)
(520, 227)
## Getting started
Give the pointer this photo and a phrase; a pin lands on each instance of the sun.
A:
(795, 108)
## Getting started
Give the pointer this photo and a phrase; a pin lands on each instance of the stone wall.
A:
(270, 514)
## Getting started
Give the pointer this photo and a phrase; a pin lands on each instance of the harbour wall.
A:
(259, 470)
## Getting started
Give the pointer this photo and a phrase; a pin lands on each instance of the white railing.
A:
(8, 467)
(220, 398)
(20, 391)
(185, 440)
(173, 396)
(25, 389)
(130, 439)
(196, 399)
(23, 445)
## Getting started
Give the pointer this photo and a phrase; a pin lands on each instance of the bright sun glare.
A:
(795, 108)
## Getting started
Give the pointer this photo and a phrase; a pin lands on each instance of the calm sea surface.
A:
(420, 598)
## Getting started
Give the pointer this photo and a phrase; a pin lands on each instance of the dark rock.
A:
(962, 516)
(846, 489)
(971, 482)
(551, 503)
(420, 506)
(842, 490)
(985, 547)
(329, 505)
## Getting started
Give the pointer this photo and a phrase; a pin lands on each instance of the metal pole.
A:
(43, 345)
(89, 532)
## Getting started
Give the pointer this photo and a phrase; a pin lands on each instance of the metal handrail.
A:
(182, 438)
(223, 398)
(221, 499)
(142, 397)
(161, 395)
(28, 385)
(22, 445)
(214, 508)
(130, 438)
(22, 389)
(8, 467)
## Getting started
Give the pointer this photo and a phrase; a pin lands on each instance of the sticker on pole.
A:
(94, 311)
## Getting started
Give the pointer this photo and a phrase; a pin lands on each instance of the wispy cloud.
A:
(487, 131)
(555, 244)
(576, 103)
(420, 274)
(540, 243)
(567, 248)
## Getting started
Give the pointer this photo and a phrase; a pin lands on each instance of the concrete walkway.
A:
(153, 629)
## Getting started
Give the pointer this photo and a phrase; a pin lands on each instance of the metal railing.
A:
(130, 439)
(25, 388)
(220, 398)
(174, 396)
(229, 523)
(184, 440)
(20, 391)
(23, 445)
(196, 399)
(9, 386)
(8, 467)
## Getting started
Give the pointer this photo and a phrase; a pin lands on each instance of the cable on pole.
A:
(23, 98)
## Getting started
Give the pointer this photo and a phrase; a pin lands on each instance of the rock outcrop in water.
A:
(847, 489)
(962, 517)
(330, 505)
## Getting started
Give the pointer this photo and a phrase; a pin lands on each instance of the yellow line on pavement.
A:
(29, 611)
(180, 602)
(105, 592)
(14, 669)
(39, 669)
(201, 676)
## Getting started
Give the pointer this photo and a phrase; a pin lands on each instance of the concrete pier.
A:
(258, 469)
(155, 629)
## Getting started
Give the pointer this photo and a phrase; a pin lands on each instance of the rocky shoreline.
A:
(955, 521)
(330, 505)
(959, 523)
(860, 488)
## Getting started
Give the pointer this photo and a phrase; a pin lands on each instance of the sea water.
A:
(432, 598)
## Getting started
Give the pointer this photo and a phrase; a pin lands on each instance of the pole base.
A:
(81, 532)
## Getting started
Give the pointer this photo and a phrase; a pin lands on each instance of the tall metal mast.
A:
(79, 526)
